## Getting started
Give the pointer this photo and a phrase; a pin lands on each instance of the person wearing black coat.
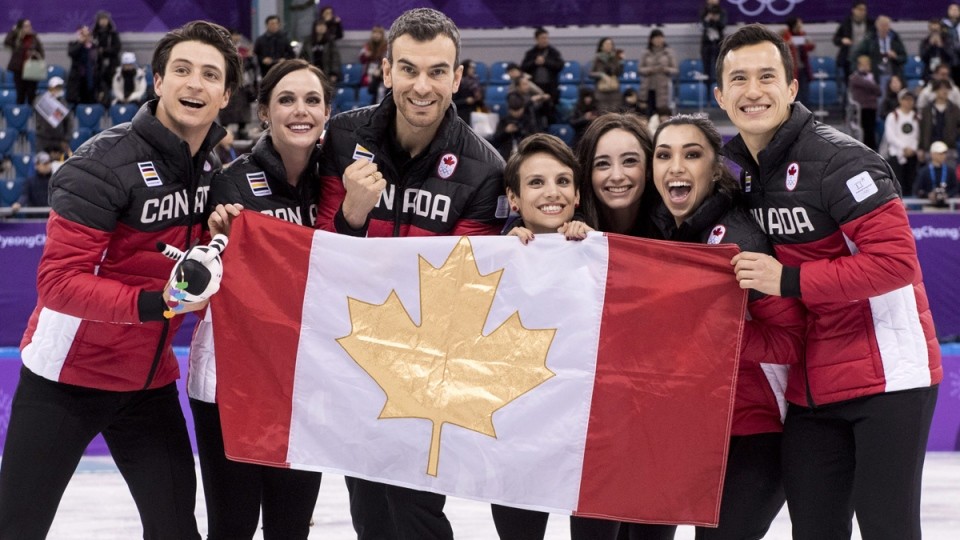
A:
(107, 39)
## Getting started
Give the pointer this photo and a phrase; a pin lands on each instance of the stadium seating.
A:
(8, 137)
(568, 92)
(563, 131)
(692, 94)
(6, 79)
(495, 93)
(344, 99)
(824, 93)
(121, 112)
(351, 74)
(89, 116)
(571, 73)
(22, 165)
(79, 137)
(10, 190)
(8, 96)
(483, 71)
(691, 70)
(54, 70)
(498, 73)
(824, 64)
(630, 73)
(913, 68)
(634, 85)
(17, 117)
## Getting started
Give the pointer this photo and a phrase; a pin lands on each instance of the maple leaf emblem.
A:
(717, 230)
(444, 369)
(448, 160)
(792, 170)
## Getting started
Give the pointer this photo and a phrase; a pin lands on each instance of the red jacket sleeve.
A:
(67, 280)
(774, 331)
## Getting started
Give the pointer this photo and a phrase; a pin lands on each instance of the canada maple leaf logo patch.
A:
(793, 175)
(716, 235)
(448, 164)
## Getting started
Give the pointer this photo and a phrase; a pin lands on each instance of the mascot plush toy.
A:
(197, 274)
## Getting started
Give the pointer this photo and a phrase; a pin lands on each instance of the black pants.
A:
(906, 173)
(51, 425)
(868, 122)
(520, 524)
(385, 512)
(862, 456)
(234, 492)
(26, 90)
(752, 489)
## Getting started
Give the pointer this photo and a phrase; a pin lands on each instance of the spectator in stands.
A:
(129, 81)
(544, 63)
(225, 149)
(585, 110)
(800, 47)
(272, 46)
(515, 74)
(469, 97)
(937, 181)
(865, 92)
(939, 121)
(320, 49)
(713, 20)
(518, 123)
(50, 136)
(935, 50)
(606, 71)
(237, 111)
(371, 56)
(851, 31)
(107, 39)
(24, 44)
(941, 73)
(951, 33)
(631, 103)
(537, 100)
(885, 49)
(333, 22)
(36, 187)
(902, 135)
(890, 100)
(658, 66)
(83, 82)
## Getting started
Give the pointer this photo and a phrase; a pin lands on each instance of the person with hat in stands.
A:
(52, 137)
(129, 81)
(35, 189)
(937, 181)
(901, 132)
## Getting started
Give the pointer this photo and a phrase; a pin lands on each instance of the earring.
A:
(513, 207)
(576, 205)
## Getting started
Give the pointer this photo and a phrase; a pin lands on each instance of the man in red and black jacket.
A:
(97, 352)
(409, 167)
(861, 401)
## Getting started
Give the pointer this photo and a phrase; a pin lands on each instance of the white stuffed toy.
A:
(197, 274)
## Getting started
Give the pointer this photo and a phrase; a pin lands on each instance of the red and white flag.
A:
(593, 378)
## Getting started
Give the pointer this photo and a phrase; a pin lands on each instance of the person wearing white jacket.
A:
(902, 136)
(129, 81)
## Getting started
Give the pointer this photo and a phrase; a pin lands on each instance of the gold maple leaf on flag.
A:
(444, 369)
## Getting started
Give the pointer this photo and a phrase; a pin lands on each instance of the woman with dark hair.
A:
(371, 56)
(24, 44)
(469, 97)
(279, 178)
(698, 204)
(658, 67)
(606, 70)
(320, 49)
(585, 110)
(800, 47)
(107, 40)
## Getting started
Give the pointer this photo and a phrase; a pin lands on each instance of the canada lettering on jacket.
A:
(293, 215)
(783, 220)
(173, 205)
(420, 202)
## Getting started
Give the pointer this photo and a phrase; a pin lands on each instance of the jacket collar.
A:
(166, 142)
(777, 149)
(710, 211)
(380, 125)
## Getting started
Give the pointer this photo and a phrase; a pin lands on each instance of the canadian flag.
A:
(593, 378)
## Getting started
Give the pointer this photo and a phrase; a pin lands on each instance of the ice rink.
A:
(98, 506)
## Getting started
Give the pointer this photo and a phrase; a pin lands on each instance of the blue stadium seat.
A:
(915, 85)
(8, 96)
(483, 72)
(351, 74)
(635, 85)
(630, 73)
(824, 93)
(89, 116)
(563, 131)
(22, 165)
(569, 91)
(79, 137)
(824, 64)
(344, 99)
(148, 75)
(571, 73)
(691, 70)
(10, 190)
(8, 137)
(498, 73)
(54, 70)
(122, 112)
(913, 69)
(692, 94)
(17, 117)
(6, 79)
(495, 93)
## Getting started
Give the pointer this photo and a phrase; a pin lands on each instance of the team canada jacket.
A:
(452, 188)
(831, 208)
(773, 333)
(258, 181)
(98, 321)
